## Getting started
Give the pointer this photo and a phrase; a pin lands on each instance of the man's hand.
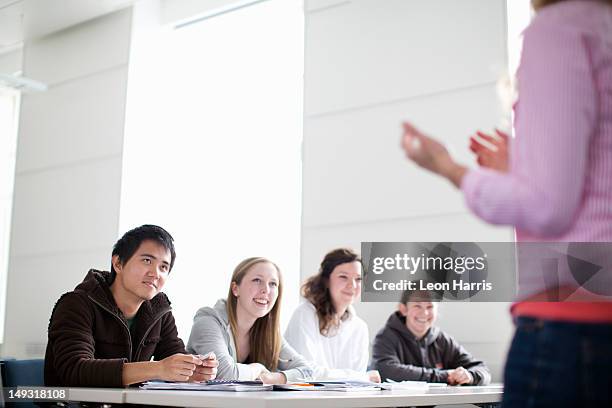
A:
(459, 376)
(208, 369)
(178, 367)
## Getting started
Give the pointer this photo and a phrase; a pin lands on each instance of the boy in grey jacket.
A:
(410, 347)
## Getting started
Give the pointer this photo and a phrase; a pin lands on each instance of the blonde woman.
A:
(244, 329)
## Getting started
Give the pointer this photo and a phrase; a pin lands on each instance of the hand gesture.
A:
(493, 155)
(459, 376)
(424, 150)
(178, 367)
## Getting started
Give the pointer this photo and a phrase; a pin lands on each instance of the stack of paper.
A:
(239, 386)
(410, 385)
(343, 386)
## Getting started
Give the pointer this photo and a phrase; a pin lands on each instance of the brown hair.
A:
(538, 4)
(316, 289)
(265, 337)
(419, 295)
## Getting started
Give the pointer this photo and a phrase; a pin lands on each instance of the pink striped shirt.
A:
(559, 187)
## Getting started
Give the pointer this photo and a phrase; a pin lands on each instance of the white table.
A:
(289, 399)
(104, 395)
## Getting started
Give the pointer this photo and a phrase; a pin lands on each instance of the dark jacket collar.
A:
(397, 323)
(96, 285)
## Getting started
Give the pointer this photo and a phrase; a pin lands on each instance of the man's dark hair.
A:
(129, 243)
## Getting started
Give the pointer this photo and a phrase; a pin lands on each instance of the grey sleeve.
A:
(207, 334)
(385, 359)
(293, 365)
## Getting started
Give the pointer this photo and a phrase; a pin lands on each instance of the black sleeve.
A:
(459, 357)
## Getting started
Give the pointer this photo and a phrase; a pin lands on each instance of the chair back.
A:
(22, 373)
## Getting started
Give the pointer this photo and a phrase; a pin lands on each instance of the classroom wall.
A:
(10, 62)
(367, 68)
(68, 171)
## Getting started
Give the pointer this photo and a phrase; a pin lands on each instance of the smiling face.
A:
(144, 274)
(257, 291)
(345, 284)
(420, 316)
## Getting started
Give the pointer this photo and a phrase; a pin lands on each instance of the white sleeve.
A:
(301, 335)
(362, 347)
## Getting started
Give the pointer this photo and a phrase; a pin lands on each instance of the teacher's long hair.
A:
(265, 338)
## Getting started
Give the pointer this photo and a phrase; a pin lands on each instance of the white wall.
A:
(369, 66)
(68, 171)
(178, 12)
(10, 62)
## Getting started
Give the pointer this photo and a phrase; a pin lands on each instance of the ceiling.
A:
(22, 20)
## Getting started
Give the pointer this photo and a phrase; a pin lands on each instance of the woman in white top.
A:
(325, 328)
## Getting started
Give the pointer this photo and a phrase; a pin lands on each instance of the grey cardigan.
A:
(211, 332)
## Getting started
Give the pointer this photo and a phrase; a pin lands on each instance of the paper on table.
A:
(343, 386)
(239, 386)
(410, 385)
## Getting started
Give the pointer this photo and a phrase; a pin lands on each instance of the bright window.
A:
(9, 107)
(219, 162)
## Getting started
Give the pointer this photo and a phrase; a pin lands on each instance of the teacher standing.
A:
(558, 188)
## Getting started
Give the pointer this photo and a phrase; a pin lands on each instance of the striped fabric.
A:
(559, 187)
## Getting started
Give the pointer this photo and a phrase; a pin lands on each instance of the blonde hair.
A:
(265, 339)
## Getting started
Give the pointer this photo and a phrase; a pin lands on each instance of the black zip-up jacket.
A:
(398, 355)
(89, 340)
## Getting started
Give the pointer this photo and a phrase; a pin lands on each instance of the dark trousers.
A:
(558, 364)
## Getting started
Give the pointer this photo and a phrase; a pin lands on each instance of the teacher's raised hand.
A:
(493, 152)
(430, 154)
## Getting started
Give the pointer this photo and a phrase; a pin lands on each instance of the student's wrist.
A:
(155, 369)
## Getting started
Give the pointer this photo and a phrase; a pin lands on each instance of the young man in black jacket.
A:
(107, 330)
(410, 347)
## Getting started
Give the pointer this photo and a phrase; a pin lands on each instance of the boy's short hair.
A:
(420, 296)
